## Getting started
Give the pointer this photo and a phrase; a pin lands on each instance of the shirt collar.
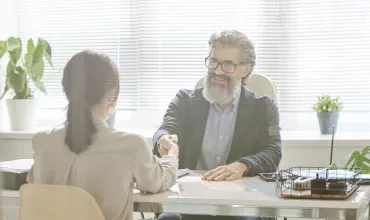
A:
(100, 122)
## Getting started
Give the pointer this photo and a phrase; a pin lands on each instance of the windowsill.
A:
(298, 129)
(289, 138)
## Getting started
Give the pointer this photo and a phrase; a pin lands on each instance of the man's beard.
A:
(220, 94)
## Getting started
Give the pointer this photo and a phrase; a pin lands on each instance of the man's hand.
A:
(231, 171)
(163, 143)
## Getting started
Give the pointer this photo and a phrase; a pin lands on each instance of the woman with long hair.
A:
(86, 153)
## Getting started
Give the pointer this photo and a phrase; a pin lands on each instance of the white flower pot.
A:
(22, 114)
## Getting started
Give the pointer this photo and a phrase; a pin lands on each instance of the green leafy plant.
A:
(359, 160)
(20, 72)
(326, 104)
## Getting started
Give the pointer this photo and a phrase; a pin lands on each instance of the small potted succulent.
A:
(327, 110)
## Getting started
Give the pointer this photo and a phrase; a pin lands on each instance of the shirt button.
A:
(220, 137)
(218, 159)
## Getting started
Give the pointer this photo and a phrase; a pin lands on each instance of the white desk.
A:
(244, 197)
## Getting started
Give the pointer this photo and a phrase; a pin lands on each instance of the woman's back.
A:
(87, 154)
(107, 169)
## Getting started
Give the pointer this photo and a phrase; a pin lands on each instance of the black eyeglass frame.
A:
(222, 63)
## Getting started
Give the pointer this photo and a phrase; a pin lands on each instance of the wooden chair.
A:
(45, 202)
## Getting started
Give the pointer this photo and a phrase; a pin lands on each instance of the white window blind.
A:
(306, 47)
(325, 47)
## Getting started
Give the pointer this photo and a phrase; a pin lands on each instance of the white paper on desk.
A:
(175, 188)
(16, 166)
(227, 186)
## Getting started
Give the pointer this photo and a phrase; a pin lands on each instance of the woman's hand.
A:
(168, 145)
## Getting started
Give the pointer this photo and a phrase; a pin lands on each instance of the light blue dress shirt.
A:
(218, 135)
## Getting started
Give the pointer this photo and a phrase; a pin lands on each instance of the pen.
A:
(185, 174)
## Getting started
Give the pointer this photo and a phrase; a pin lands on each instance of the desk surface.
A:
(246, 192)
(247, 196)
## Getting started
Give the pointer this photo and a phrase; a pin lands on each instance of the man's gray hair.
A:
(234, 38)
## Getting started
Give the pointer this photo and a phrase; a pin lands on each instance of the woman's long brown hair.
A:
(87, 79)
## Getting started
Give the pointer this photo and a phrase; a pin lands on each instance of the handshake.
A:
(167, 145)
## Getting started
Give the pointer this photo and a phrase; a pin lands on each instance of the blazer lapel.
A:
(245, 111)
(199, 115)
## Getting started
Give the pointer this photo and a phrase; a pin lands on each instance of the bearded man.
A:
(223, 128)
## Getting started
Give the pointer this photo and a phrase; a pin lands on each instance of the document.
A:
(227, 186)
(16, 166)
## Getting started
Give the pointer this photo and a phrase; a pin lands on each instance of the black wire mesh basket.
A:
(317, 182)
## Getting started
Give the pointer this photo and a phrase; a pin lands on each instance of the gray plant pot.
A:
(327, 121)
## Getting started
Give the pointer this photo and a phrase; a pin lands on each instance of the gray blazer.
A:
(256, 140)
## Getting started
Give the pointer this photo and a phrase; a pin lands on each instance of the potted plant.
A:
(359, 160)
(327, 110)
(19, 74)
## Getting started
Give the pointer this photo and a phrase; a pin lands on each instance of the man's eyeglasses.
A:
(226, 66)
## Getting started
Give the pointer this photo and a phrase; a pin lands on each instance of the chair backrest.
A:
(258, 84)
(2, 216)
(45, 202)
(9, 212)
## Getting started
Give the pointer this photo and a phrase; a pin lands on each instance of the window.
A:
(325, 46)
(306, 47)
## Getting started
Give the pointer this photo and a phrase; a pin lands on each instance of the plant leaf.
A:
(14, 43)
(359, 159)
(14, 49)
(24, 92)
(368, 147)
(3, 48)
(16, 81)
(38, 53)
(352, 157)
(47, 53)
(30, 46)
(354, 164)
(37, 70)
(28, 57)
(325, 103)
(5, 91)
(27, 62)
(9, 70)
(365, 160)
(365, 150)
(40, 86)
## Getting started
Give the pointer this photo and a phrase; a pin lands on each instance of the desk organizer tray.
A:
(14, 173)
(317, 182)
